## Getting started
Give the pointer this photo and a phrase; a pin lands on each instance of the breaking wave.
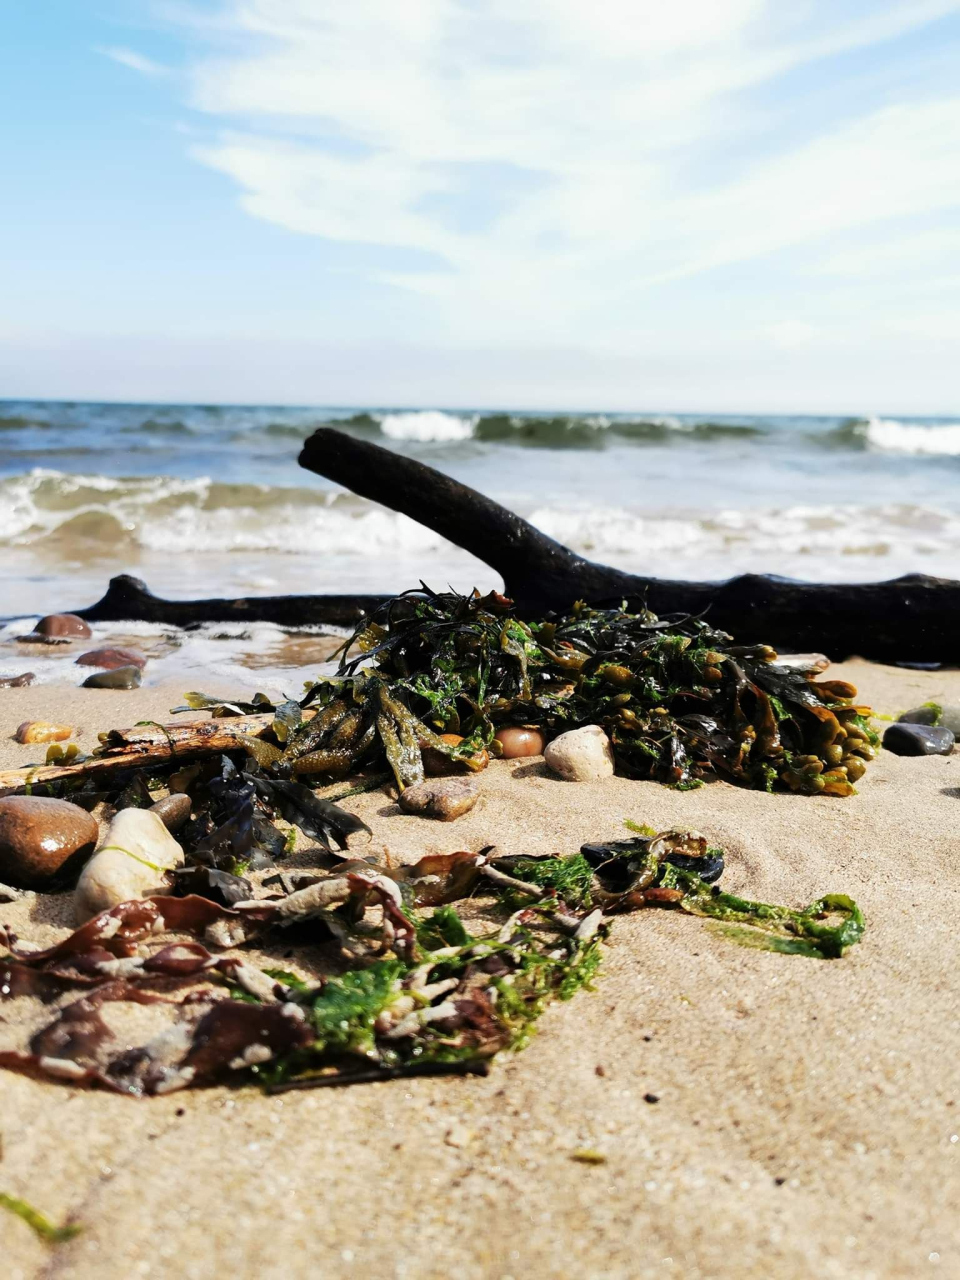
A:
(889, 435)
(87, 516)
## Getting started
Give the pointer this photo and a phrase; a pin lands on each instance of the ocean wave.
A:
(890, 435)
(820, 533)
(561, 431)
(94, 516)
(357, 423)
(20, 422)
(427, 426)
(160, 427)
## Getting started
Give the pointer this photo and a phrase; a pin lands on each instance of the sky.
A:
(736, 205)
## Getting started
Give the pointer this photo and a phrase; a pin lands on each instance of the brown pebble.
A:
(43, 731)
(62, 624)
(17, 682)
(172, 810)
(517, 742)
(441, 798)
(108, 659)
(39, 836)
(437, 765)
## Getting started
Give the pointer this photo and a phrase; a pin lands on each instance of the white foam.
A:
(754, 536)
(427, 426)
(894, 436)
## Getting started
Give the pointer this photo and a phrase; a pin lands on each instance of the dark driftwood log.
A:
(911, 619)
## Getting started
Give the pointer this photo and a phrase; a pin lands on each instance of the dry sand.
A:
(808, 1113)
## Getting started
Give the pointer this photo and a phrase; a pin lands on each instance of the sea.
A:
(208, 500)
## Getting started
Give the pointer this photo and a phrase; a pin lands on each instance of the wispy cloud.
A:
(554, 161)
(135, 61)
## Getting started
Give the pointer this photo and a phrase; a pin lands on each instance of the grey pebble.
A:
(907, 739)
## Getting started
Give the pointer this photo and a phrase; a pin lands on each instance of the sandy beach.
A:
(806, 1112)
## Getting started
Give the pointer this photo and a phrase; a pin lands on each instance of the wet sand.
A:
(807, 1113)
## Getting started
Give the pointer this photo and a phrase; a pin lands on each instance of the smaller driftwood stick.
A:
(147, 744)
(128, 598)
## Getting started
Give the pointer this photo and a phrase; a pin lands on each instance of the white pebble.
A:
(130, 863)
(581, 755)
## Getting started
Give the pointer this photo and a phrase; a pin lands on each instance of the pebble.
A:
(906, 739)
(118, 678)
(39, 836)
(517, 742)
(17, 682)
(43, 731)
(437, 765)
(133, 855)
(109, 659)
(441, 798)
(62, 624)
(172, 810)
(581, 755)
(945, 716)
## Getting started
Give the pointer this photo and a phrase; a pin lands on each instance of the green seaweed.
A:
(680, 702)
(348, 1006)
(570, 878)
(40, 1223)
(826, 927)
(443, 929)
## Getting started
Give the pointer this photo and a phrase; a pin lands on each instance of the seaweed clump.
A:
(679, 700)
(408, 989)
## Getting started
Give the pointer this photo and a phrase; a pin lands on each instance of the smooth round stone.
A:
(62, 624)
(437, 765)
(517, 742)
(110, 659)
(119, 678)
(17, 682)
(39, 836)
(131, 863)
(43, 731)
(581, 755)
(441, 798)
(172, 810)
(906, 739)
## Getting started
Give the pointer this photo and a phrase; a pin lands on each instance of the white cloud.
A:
(391, 124)
(135, 61)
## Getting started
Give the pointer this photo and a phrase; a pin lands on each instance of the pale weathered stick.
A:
(147, 744)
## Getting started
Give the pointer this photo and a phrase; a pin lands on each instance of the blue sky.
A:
(706, 204)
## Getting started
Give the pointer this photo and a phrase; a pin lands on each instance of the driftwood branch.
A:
(910, 619)
(147, 744)
(128, 598)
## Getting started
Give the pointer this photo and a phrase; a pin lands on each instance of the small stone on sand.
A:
(441, 798)
(43, 731)
(39, 835)
(581, 755)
